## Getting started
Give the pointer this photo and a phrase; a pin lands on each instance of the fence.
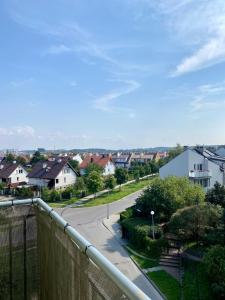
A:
(43, 257)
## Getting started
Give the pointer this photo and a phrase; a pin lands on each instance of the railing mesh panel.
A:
(39, 261)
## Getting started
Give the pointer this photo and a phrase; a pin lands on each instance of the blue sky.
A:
(113, 74)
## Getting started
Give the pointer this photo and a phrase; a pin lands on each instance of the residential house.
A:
(122, 160)
(104, 161)
(12, 173)
(54, 173)
(142, 157)
(77, 157)
(199, 165)
(221, 151)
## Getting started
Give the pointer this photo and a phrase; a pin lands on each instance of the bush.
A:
(214, 261)
(24, 193)
(197, 223)
(54, 196)
(68, 193)
(155, 247)
(126, 214)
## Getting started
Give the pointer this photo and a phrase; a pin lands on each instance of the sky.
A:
(111, 74)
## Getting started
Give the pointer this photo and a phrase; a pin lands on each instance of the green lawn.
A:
(196, 285)
(63, 203)
(118, 194)
(144, 263)
(168, 285)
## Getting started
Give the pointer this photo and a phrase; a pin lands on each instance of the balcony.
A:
(200, 174)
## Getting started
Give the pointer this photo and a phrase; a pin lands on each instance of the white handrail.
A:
(127, 286)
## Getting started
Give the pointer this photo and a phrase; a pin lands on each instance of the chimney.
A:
(92, 159)
(44, 165)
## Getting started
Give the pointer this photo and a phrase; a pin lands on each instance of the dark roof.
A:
(49, 169)
(7, 167)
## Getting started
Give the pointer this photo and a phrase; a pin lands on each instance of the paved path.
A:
(89, 222)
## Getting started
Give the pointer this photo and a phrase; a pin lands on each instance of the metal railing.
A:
(127, 286)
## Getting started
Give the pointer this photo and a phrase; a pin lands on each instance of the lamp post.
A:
(153, 229)
(107, 210)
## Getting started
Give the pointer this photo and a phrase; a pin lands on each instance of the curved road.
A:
(89, 222)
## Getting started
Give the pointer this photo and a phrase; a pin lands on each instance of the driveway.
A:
(89, 222)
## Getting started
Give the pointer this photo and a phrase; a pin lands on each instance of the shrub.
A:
(126, 214)
(24, 193)
(214, 261)
(68, 193)
(54, 196)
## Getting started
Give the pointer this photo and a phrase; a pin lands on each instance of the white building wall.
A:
(78, 158)
(17, 177)
(184, 163)
(65, 178)
(109, 169)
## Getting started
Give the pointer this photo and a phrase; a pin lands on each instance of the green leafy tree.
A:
(10, 157)
(21, 160)
(37, 157)
(74, 164)
(214, 261)
(24, 193)
(94, 182)
(93, 167)
(216, 195)
(175, 152)
(110, 182)
(198, 223)
(165, 196)
(80, 186)
(121, 175)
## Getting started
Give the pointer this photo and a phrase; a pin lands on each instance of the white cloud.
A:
(104, 102)
(20, 131)
(209, 97)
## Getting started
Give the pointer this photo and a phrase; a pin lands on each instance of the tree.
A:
(80, 186)
(175, 152)
(21, 160)
(37, 157)
(198, 223)
(24, 193)
(93, 167)
(165, 196)
(94, 182)
(74, 164)
(10, 157)
(121, 175)
(110, 182)
(214, 261)
(216, 195)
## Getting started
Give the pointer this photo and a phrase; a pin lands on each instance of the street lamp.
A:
(153, 229)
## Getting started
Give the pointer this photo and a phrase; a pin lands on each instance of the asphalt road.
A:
(89, 222)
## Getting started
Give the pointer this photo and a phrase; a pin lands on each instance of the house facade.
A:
(103, 161)
(55, 173)
(12, 174)
(200, 165)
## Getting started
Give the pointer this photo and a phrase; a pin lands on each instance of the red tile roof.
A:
(100, 160)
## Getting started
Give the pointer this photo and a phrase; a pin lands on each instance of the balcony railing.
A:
(34, 237)
(200, 174)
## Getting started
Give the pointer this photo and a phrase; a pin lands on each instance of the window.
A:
(17, 178)
(20, 171)
(64, 179)
(57, 181)
(194, 166)
(199, 167)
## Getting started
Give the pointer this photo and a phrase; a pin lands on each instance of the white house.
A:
(103, 161)
(55, 173)
(78, 158)
(199, 165)
(12, 173)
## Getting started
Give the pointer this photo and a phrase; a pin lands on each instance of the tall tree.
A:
(94, 182)
(110, 182)
(121, 175)
(216, 195)
(37, 157)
